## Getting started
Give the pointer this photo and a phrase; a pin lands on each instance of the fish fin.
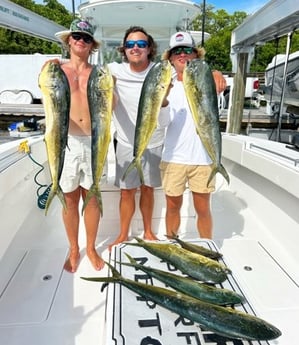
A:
(49, 199)
(139, 240)
(93, 191)
(224, 173)
(221, 170)
(131, 259)
(134, 164)
(139, 244)
(100, 279)
(173, 236)
(51, 196)
(116, 276)
(61, 197)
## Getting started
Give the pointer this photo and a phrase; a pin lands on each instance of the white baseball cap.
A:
(181, 39)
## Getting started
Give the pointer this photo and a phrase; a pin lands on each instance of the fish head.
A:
(100, 82)
(51, 76)
(163, 73)
(193, 67)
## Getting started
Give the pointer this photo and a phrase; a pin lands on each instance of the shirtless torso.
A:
(80, 123)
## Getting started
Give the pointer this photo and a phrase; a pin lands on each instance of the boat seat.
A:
(16, 97)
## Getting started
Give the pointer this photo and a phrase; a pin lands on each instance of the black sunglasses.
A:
(78, 36)
(140, 44)
(180, 50)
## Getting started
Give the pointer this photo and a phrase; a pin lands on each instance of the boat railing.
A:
(293, 161)
(12, 152)
(10, 157)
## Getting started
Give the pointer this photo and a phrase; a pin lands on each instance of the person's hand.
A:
(165, 100)
(219, 81)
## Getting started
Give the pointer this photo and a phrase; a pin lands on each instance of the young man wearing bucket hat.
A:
(184, 157)
(76, 177)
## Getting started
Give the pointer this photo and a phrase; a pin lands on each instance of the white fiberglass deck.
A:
(255, 227)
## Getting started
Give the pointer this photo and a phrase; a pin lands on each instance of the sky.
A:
(230, 6)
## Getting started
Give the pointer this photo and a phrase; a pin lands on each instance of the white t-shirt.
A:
(128, 89)
(182, 144)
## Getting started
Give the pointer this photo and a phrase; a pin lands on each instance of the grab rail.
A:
(292, 160)
(11, 158)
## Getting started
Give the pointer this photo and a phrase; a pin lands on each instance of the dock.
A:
(258, 118)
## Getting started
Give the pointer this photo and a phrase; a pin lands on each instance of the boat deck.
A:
(42, 303)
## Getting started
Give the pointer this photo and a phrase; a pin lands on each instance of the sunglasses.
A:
(78, 36)
(180, 50)
(140, 44)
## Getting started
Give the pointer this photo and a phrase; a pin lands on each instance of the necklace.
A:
(76, 74)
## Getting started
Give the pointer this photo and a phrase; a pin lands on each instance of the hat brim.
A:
(181, 45)
(64, 35)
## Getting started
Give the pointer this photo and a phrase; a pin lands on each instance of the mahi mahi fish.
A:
(194, 265)
(100, 99)
(56, 100)
(154, 90)
(222, 320)
(201, 94)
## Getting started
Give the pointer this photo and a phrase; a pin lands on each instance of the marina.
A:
(255, 221)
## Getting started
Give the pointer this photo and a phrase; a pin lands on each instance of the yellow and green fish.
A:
(100, 100)
(154, 90)
(201, 94)
(56, 100)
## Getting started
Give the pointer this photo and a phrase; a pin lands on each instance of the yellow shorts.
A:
(176, 177)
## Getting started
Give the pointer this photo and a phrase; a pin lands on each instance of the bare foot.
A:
(150, 236)
(72, 262)
(120, 239)
(95, 259)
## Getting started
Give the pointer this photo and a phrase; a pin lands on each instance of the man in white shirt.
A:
(138, 50)
(184, 158)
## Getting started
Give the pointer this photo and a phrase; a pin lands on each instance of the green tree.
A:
(12, 42)
(219, 24)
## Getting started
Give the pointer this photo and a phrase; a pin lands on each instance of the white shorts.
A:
(77, 169)
(150, 166)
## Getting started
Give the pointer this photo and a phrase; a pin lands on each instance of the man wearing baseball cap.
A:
(184, 39)
(184, 157)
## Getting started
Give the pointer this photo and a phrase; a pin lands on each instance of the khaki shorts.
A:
(176, 177)
(77, 165)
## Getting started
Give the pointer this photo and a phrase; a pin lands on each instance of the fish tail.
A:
(224, 173)
(132, 260)
(93, 191)
(116, 276)
(55, 191)
(61, 197)
(49, 200)
(136, 163)
(219, 169)
(100, 279)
